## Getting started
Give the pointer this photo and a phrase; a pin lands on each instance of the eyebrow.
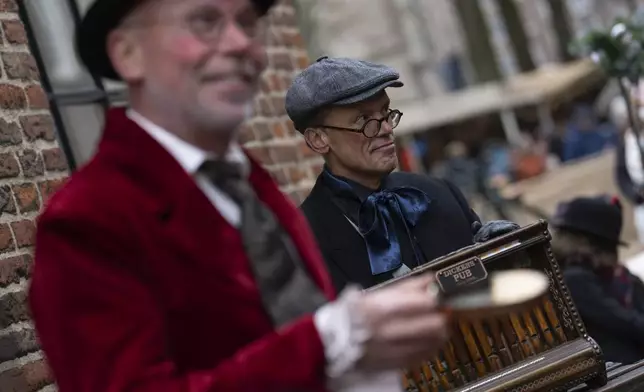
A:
(385, 105)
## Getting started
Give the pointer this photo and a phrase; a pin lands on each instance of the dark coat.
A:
(444, 228)
(619, 330)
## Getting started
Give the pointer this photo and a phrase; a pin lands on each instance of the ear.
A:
(317, 140)
(126, 54)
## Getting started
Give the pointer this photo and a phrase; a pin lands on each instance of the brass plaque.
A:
(464, 273)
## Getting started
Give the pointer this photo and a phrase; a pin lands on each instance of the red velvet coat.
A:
(140, 285)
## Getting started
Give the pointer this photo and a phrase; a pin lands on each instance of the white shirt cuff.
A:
(343, 332)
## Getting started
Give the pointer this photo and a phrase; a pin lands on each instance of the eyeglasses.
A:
(208, 25)
(372, 127)
(209, 29)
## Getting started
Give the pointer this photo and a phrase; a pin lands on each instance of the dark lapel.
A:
(343, 246)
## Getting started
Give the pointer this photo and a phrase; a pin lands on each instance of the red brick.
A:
(275, 82)
(14, 31)
(49, 187)
(265, 86)
(291, 128)
(279, 131)
(261, 154)
(6, 239)
(13, 309)
(16, 344)
(296, 174)
(27, 378)
(8, 165)
(278, 106)
(280, 177)
(305, 150)
(54, 159)
(302, 61)
(40, 126)
(12, 97)
(32, 163)
(10, 134)
(273, 39)
(13, 269)
(24, 232)
(262, 130)
(292, 39)
(37, 97)
(281, 61)
(20, 66)
(284, 153)
(7, 204)
(263, 107)
(27, 197)
(8, 6)
(286, 81)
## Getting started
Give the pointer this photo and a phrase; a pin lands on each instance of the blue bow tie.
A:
(376, 220)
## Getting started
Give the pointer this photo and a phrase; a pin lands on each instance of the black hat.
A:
(101, 18)
(600, 217)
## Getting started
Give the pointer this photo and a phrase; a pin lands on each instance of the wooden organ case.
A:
(545, 348)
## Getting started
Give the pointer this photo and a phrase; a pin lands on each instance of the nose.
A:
(234, 39)
(385, 129)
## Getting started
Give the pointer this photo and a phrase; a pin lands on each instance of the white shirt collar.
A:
(190, 157)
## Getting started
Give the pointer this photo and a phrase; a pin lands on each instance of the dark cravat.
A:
(286, 289)
(376, 220)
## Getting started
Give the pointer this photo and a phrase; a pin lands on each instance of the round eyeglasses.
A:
(372, 127)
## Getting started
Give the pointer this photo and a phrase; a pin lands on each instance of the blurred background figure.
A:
(586, 134)
(459, 168)
(608, 297)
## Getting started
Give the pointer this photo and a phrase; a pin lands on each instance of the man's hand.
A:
(405, 325)
(492, 229)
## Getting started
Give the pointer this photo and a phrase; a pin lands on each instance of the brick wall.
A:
(270, 136)
(32, 167)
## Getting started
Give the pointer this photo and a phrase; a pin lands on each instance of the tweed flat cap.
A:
(104, 16)
(335, 81)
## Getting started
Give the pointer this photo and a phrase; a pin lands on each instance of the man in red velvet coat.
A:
(171, 262)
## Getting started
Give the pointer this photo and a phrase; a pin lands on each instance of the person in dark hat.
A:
(171, 262)
(372, 223)
(610, 299)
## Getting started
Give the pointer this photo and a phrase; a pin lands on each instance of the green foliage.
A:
(617, 50)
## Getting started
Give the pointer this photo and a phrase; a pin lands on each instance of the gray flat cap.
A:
(335, 81)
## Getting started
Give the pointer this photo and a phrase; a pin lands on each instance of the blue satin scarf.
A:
(376, 220)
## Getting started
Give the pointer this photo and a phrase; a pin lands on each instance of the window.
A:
(76, 97)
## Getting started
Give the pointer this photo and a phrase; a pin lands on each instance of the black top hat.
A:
(101, 18)
(600, 217)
